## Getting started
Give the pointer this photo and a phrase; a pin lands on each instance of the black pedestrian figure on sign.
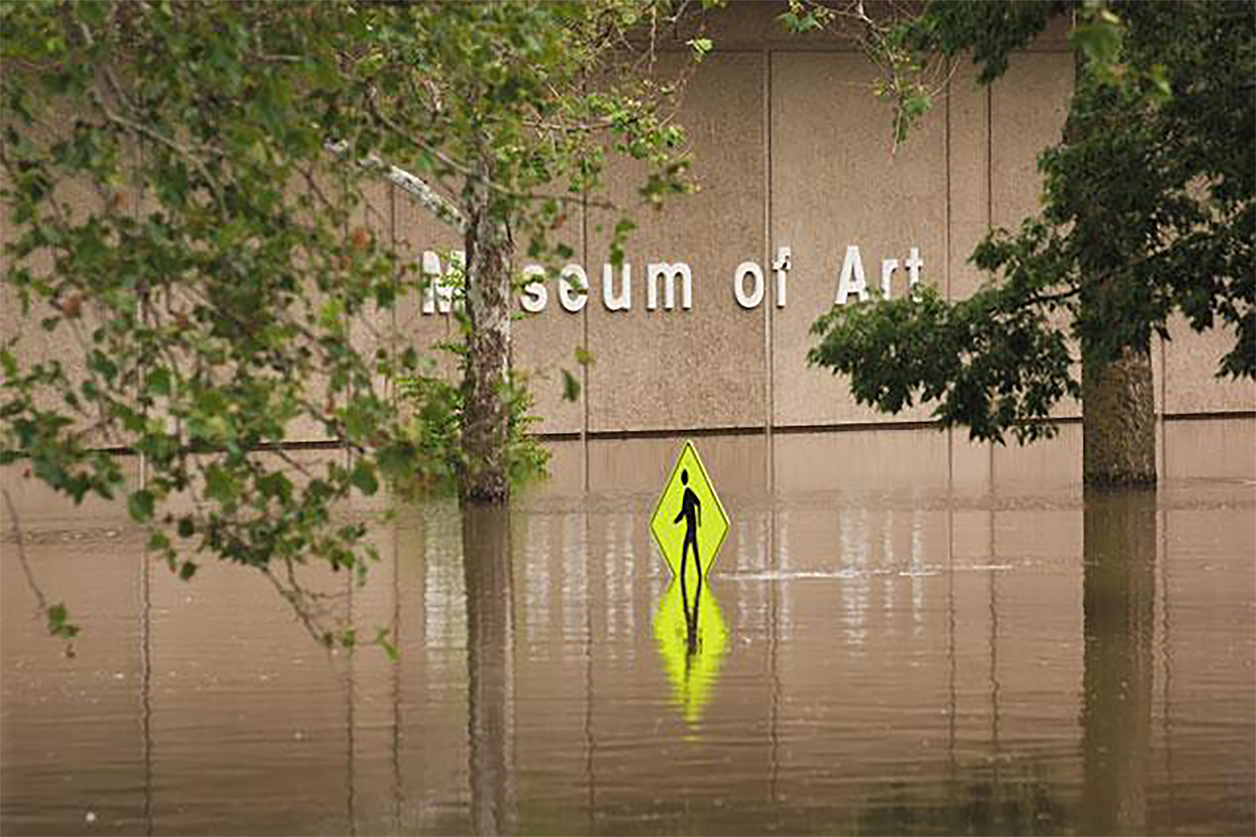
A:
(691, 513)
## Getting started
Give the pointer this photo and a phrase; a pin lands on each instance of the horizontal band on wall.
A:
(846, 427)
(707, 432)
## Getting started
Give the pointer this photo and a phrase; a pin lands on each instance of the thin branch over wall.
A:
(409, 183)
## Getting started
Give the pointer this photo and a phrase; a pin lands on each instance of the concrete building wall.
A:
(703, 367)
(790, 149)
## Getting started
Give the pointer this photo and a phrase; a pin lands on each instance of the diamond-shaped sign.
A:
(689, 523)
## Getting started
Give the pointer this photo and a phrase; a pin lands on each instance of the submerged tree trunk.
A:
(1118, 623)
(490, 667)
(486, 414)
(1118, 420)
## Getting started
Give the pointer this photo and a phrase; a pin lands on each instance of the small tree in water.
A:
(209, 272)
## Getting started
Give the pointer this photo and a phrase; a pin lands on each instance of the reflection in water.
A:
(1024, 801)
(876, 663)
(490, 663)
(692, 640)
(1119, 607)
(146, 684)
(395, 689)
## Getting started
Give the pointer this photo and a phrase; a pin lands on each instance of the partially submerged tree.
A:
(507, 101)
(213, 281)
(1149, 210)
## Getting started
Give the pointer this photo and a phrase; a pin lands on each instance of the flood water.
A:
(900, 635)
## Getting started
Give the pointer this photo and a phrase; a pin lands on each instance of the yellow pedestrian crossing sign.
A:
(689, 523)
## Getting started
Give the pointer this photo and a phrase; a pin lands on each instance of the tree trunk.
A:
(486, 370)
(1118, 421)
(1118, 398)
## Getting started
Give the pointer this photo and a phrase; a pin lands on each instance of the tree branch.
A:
(439, 206)
(138, 127)
(473, 175)
(1060, 296)
(21, 553)
(58, 628)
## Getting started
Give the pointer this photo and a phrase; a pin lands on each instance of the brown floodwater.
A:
(901, 634)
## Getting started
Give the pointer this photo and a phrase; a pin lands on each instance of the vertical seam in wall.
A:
(137, 210)
(350, 722)
(394, 335)
(946, 251)
(584, 334)
(345, 225)
(950, 434)
(769, 395)
(146, 586)
(1164, 407)
(990, 212)
(772, 559)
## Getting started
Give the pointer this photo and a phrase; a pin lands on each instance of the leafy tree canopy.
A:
(212, 279)
(1148, 211)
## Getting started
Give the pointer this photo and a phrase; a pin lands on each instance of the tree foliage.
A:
(1148, 211)
(213, 279)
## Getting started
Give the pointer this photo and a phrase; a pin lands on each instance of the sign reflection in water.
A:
(692, 641)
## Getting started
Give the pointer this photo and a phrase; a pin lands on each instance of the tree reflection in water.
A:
(1119, 607)
(490, 663)
(1022, 797)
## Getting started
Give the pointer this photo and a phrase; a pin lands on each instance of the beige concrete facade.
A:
(790, 149)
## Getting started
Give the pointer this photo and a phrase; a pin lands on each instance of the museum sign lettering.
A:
(668, 286)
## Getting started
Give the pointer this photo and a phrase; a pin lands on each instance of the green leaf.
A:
(92, 13)
(397, 460)
(384, 641)
(59, 624)
(363, 477)
(158, 381)
(140, 504)
(571, 387)
(219, 485)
